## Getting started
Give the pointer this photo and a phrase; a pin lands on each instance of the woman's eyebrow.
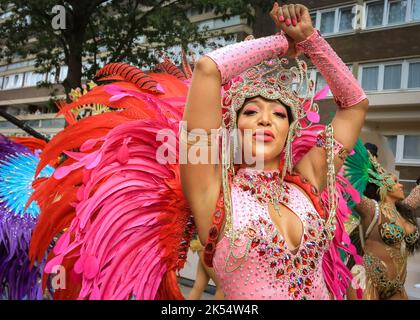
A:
(251, 101)
(277, 105)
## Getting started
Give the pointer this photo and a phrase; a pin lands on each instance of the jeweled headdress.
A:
(274, 80)
(271, 79)
(378, 175)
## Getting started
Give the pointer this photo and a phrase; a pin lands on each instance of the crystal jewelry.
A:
(236, 58)
(266, 187)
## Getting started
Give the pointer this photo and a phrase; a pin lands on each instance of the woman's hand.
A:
(294, 20)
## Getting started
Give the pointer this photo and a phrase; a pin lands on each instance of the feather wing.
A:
(17, 220)
(124, 221)
(130, 222)
(357, 167)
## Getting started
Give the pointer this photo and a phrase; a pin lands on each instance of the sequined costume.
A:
(262, 265)
(387, 267)
(383, 238)
(271, 80)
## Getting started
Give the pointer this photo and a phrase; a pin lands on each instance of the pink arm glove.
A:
(346, 90)
(234, 59)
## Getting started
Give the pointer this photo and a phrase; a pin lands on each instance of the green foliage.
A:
(101, 31)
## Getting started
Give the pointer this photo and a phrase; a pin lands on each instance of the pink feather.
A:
(118, 226)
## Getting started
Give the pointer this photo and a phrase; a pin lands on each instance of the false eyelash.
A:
(281, 114)
(249, 112)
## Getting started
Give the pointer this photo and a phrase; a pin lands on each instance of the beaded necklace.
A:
(266, 186)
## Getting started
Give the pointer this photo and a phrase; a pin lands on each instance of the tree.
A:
(100, 31)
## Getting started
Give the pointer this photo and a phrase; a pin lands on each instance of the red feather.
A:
(29, 142)
(168, 67)
(129, 73)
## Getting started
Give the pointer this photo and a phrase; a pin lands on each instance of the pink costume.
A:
(264, 267)
(126, 223)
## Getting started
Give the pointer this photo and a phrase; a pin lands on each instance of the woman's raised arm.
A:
(413, 199)
(200, 179)
(347, 92)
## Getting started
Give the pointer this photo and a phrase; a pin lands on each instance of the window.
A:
(205, 25)
(211, 43)
(339, 19)
(218, 23)
(415, 10)
(375, 14)
(51, 78)
(63, 73)
(5, 15)
(13, 81)
(6, 125)
(392, 143)
(33, 123)
(391, 12)
(5, 83)
(17, 65)
(345, 16)
(406, 148)
(414, 75)
(396, 11)
(53, 123)
(139, 40)
(17, 80)
(327, 22)
(32, 78)
(392, 76)
(411, 148)
(319, 80)
(1, 82)
(370, 78)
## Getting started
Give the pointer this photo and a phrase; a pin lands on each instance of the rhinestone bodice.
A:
(260, 264)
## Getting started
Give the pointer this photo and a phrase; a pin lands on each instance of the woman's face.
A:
(397, 191)
(264, 125)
